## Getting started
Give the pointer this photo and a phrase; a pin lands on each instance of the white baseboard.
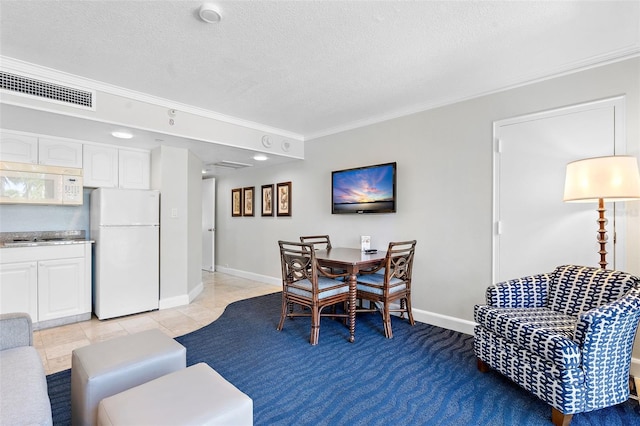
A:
(172, 302)
(196, 291)
(249, 275)
(444, 321)
(183, 299)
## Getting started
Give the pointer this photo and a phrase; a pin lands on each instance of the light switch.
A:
(174, 212)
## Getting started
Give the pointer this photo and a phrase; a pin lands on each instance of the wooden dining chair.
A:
(319, 242)
(307, 285)
(388, 283)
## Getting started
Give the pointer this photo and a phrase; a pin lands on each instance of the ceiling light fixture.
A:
(209, 13)
(121, 134)
(260, 157)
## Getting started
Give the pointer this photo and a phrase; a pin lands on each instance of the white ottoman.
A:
(197, 395)
(107, 368)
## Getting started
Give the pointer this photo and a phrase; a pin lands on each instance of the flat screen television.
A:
(370, 189)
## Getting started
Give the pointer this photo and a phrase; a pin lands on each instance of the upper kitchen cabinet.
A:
(100, 166)
(18, 148)
(108, 167)
(133, 169)
(54, 152)
(21, 148)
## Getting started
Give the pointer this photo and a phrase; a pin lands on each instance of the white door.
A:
(208, 224)
(535, 231)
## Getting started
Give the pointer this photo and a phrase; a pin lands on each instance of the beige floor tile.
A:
(219, 290)
(58, 351)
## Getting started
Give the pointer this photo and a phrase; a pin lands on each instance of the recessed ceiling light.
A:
(209, 13)
(260, 157)
(121, 134)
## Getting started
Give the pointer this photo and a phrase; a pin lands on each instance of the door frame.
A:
(618, 103)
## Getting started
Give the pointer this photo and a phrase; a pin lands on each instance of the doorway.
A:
(208, 224)
(534, 230)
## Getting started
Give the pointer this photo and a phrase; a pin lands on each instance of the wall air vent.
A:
(46, 90)
(231, 164)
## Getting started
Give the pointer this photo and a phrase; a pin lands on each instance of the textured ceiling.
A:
(315, 67)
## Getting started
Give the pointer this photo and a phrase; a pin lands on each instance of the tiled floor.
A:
(55, 344)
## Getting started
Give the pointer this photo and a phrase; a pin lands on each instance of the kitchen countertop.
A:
(42, 238)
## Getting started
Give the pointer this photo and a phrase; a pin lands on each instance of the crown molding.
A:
(570, 68)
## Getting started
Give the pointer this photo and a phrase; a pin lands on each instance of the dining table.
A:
(352, 261)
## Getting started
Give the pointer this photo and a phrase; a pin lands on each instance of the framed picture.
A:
(284, 199)
(247, 201)
(267, 200)
(236, 202)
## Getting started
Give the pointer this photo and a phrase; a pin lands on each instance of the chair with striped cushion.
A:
(565, 336)
(306, 285)
(390, 282)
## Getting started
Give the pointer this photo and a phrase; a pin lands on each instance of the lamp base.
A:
(602, 234)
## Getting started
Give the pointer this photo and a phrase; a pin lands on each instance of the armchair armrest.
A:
(16, 330)
(525, 292)
(606, 335)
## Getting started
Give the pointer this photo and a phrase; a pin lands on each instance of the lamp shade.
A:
(613, 178)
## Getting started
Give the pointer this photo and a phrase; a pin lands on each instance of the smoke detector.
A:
(209, 13)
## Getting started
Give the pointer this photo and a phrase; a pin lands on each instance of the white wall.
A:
(194, 226)
(177, 174)
(444, 161)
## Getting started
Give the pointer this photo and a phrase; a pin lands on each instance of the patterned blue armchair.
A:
(565, 336)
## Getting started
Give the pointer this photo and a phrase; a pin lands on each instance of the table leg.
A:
(353, 289)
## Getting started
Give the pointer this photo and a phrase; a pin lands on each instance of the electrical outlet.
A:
(174, 212)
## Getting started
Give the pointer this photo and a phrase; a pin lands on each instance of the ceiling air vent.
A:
(49, 91)
(231, 164)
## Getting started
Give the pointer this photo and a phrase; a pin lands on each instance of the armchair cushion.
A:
(541, 331)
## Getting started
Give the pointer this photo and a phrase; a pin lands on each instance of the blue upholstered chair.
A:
(565, 336)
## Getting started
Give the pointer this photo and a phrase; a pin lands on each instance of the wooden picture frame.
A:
(236, 202)
(284, 199)
(247, 200)
(267, 200)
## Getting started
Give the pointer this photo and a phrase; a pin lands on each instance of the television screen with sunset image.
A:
(370, 189)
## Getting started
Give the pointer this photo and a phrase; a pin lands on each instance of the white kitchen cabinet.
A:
(19, 288)
(61, 288)
(21, 148)
(52, 283)
(18, 148)
(100, 166)
(133, 169)
(55, 152)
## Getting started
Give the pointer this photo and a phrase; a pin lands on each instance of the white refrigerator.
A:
(125, 224)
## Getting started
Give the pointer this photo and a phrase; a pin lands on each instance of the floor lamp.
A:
(602, 179)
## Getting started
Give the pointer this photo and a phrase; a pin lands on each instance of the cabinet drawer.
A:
(28, 254)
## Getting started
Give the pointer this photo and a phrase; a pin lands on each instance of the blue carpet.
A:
(425, 375)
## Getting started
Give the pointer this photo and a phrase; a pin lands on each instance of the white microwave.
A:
(22, 183)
